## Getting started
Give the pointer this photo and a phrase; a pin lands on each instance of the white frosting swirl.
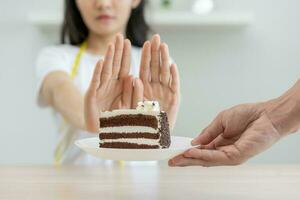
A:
(148, 106)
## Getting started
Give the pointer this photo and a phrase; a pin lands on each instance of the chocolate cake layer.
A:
(125, 145)
(128, 135)
(129, 120)
(164, 130)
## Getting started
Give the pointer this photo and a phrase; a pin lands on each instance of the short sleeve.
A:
(50, 59)
(136, 54)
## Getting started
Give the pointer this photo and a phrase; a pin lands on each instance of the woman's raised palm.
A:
(160, 78)
(111, 86)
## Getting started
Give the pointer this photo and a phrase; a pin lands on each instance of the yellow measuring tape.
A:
(63, 144)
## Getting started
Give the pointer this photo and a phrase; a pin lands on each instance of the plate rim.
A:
(77, 143)
(110, 153)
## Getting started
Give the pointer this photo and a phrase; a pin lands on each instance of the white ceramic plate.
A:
(91, 146)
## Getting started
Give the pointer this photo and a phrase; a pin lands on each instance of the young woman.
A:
(67, 72)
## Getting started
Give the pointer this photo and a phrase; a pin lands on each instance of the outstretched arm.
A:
(244, 131)
(60, 92)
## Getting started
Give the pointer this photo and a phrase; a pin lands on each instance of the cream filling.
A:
(128, 129)
(133, 140)
(115, 113)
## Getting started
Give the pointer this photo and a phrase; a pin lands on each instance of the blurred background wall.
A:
(219, 68)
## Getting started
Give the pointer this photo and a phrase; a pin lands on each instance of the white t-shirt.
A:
(61, 58)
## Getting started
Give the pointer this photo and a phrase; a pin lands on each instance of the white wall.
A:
(218, 69)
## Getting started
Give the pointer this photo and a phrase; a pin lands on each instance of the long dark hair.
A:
(74, 30)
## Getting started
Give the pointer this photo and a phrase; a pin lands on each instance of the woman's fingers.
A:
(95, 82)
(211, 132)
(133, 92)
(127, 91)
(126, 58)
(107, 66)
(91, 114)
(138, 92)
(165, 65)
(155, 58)
(145, 62)
(175, 82)
(119, 43)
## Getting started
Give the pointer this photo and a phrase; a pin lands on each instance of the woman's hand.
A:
(235, 135)
(160, 79)
(111, 87)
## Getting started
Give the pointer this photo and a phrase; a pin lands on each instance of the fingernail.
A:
(171, 163)
(194, 141)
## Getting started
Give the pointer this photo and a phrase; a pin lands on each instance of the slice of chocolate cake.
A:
(143, 128)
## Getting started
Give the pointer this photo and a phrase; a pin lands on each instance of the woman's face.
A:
(104, 17)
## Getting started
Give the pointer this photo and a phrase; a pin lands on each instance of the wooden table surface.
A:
(150, 182)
